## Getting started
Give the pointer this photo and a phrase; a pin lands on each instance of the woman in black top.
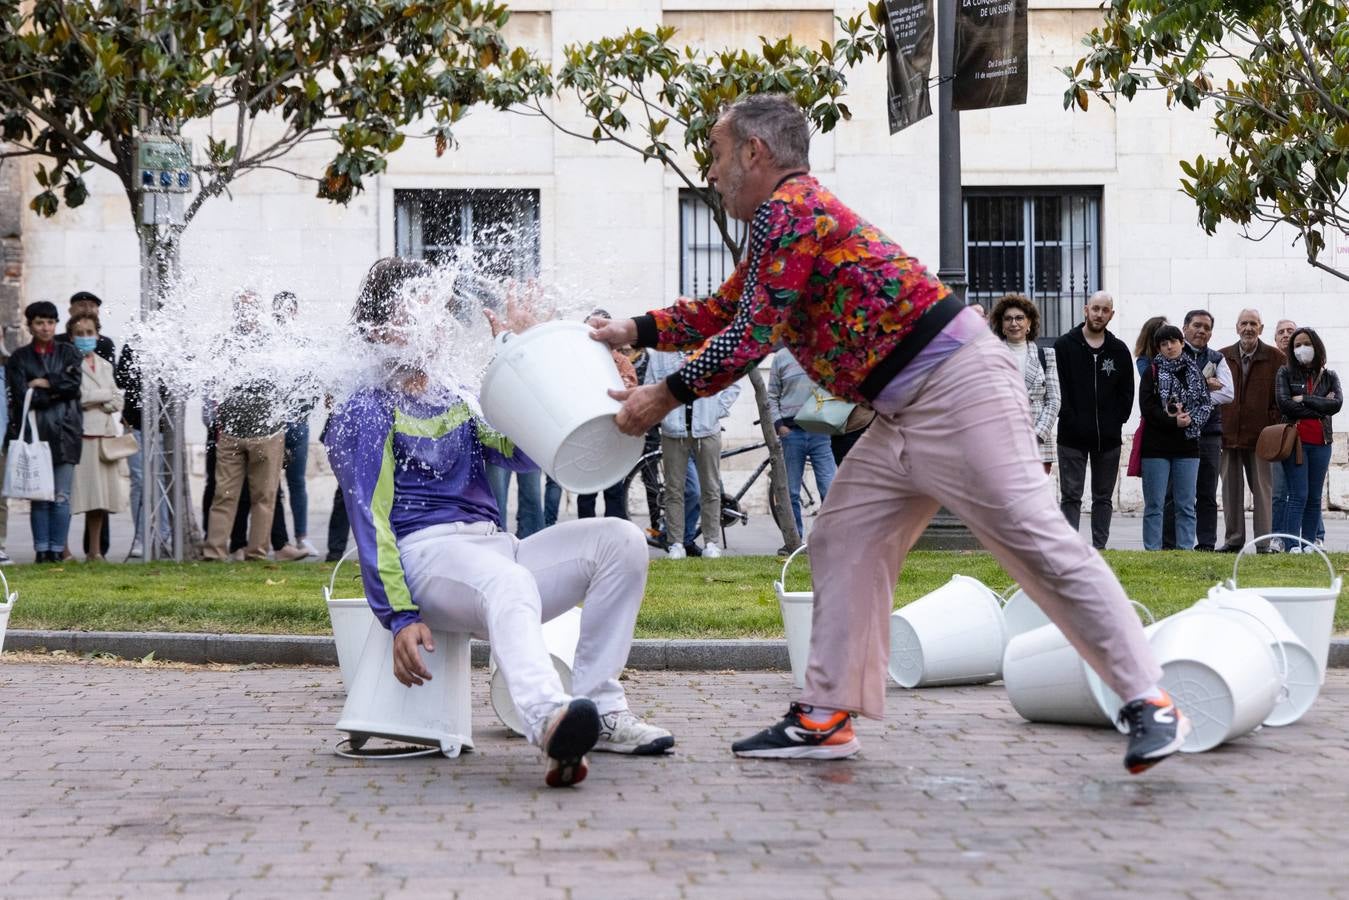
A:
(1175, 404)
(51, 370)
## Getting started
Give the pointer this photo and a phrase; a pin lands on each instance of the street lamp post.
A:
(945, 531)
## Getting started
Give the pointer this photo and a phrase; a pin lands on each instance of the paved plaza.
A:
(158, 780)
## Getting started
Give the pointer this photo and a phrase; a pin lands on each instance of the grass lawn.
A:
(731, 597)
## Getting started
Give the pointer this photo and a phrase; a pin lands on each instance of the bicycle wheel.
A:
(644, 489)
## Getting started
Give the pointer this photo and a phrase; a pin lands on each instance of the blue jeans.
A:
(798, 446)
(1278, 492)
(552, 499)
(297, 458)
(50, 519)
(1302, 515)
(693, 505)
(136, 464)
(529, 500)
(1182, 476)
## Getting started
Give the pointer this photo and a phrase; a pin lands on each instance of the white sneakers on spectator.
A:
(676, 551)
(290, 553)
(622, 732)
(711, 550)
(308, 548)
(4, 558)
(136, 551)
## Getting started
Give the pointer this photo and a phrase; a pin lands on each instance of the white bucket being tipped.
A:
(545, 389)
(954, 635)
(1222, 672)
(797, 608)
(6, 607)
(560, 636)
(1303, 679)
(1047, 680)
(436, 713)
(351, 618)
(1310, 612)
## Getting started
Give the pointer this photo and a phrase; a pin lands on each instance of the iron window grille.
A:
(498, 229)
(704, 260)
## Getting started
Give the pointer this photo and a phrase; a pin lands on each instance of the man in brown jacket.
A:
(1253, 364)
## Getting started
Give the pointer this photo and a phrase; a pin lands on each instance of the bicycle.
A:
(644, 490)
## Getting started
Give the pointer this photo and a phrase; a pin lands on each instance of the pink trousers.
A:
(964, 442)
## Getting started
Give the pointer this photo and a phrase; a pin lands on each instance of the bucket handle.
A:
(1152, 620)
(9, 596)
(332, 582)
(1252, 542)
(1283, 654)
(788, 562)
(1006, 595)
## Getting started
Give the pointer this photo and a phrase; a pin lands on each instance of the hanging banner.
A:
(908, 42)
(991, 54)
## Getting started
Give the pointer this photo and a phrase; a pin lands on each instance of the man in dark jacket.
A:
(1253, 364)
(1097, 386)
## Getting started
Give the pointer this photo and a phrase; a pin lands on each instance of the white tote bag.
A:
(28, 470)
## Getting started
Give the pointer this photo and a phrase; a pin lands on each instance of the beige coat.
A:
(100, 398)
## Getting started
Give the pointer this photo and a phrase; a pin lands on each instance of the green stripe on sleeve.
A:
(388, 562)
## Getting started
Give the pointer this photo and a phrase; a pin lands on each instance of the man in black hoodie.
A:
(1096, 380)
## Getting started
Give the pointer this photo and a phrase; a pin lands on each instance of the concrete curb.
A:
(292, 650)
(745, 655)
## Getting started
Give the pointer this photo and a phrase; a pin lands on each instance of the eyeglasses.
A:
(1016, 318)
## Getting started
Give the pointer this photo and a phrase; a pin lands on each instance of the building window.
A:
(497, 229)
(704, 260)
(1044, 243)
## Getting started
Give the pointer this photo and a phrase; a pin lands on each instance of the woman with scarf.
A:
(1175, 404)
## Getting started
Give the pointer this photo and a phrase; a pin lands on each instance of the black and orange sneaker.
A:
(570, 734)
(1157, 728)
(799, 737)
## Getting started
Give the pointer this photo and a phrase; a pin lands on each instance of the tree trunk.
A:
(779, 502)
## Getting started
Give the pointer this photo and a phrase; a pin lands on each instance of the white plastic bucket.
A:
(1302, 681)
(6, 607)
(1220, 671)
(1310, 612)
(1047, 681)
(954, 635)
(545, 389)
(797, 608)
(435, 714)
(351, 618)
(1022, 614)
(560, 636)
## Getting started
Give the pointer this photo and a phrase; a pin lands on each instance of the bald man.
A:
(1253, 364)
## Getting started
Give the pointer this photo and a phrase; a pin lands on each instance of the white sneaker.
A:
(676, 551)
(711, 550)
(622, 732)
(1276, 545)
(1296, 548)
(289, 553)
(308, 548)
(136, 551)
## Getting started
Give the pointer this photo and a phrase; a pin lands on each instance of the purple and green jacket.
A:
(406, 463)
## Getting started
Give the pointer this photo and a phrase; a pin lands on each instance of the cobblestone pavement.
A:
(155, 780)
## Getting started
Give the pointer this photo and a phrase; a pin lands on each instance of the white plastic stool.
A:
(435, 714)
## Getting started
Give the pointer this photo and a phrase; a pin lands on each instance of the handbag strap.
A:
(28, 418)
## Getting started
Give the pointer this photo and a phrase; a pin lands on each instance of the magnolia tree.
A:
(1274, 76)
(81, 79)
(645, 93)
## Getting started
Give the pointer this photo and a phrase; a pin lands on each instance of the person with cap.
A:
(51, 370)
(84, 303)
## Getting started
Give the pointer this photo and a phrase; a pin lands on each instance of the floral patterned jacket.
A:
(848, 302)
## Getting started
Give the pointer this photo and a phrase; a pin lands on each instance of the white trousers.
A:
(471, 578)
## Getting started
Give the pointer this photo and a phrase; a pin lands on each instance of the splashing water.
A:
(198, 346)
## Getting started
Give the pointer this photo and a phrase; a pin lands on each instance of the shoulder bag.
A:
(823, 413)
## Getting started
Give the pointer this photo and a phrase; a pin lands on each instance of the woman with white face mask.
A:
(1308, 394)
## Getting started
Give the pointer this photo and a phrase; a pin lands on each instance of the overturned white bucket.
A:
(560, 636)
(1310, 612)
(1022, 614)
(954, 635)
(1048, 681)
(1220, 671)
(436, 713)
(6, 607)
(350, 618)
(797, 608)
(1302, 681)
(546, 390)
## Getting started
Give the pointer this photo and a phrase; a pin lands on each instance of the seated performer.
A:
(410, 457)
